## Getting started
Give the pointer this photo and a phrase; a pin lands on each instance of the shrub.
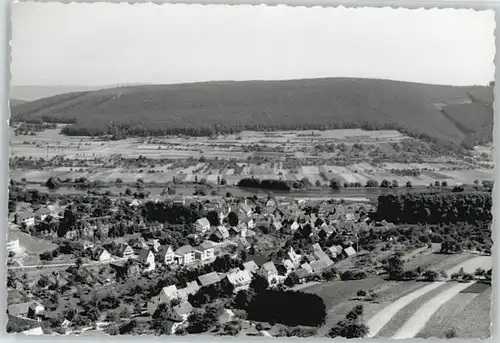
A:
(361, 293)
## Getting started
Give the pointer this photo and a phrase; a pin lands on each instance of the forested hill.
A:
(447, 113)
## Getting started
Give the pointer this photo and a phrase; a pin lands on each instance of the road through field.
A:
(418, 321)
(378, 321)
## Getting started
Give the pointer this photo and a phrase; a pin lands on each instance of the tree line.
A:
(434, 208)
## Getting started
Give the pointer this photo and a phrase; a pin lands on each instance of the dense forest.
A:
(435, 208)
(227, 107)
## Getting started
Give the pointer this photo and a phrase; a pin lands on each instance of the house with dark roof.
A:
(100, 254)
(209, 279)
(166, 255)
(202, 225)
(147, 258)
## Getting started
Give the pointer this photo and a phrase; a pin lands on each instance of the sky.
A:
(109, 44)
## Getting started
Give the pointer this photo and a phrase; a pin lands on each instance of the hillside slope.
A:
(205, 108)
(15, 102)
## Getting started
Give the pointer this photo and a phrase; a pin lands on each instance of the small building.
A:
(209, 279)
(101, 254)
(191, 288)
(350, 251)
(166, 255)
(147, 258)
(13, 246)
(205, 252)
(306, 267)
(25, 218)
(295, 226)
(42, 213)
(178, 316)
(335, 251)
(269, 271)
(302, 275)
(185, 255)
(166, 295)
(294, 257)
(202, 225)
(240, 279)
(251, 266)
(223, 231)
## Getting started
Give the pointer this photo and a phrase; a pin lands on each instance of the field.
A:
(340, 296)
(287, 155)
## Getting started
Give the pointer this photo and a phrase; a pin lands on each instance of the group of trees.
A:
(352, 326)
(435, 207)
(270, 184)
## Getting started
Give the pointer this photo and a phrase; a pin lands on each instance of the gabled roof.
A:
(205, 245)
(321, 264)
(350, 251)
(209, 279)
(144, 254)
(185, 249)
(223, 231)
(251, 266)
(239, 277)
(170, 291)
(302, 273)
(270, 267)
(182, 309)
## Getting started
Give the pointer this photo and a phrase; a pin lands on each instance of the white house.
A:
(185, 255)
(191, 288)
(269, 271)
(147, 257)
(205, 252)
(294, 257)
(166, 295)
(202, 225)
(251, 224)
(26, 218)
(240, 279)
(166, 255)
(13, 246)
(101, 254)
(295, 226)
(178, 316)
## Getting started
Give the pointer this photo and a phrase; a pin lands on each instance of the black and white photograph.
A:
(250, 171)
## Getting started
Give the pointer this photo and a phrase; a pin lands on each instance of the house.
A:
(191, 288)
(42, 213)
(124, 250)
(251, 224)
(319, 265)
(147, 258)
(202, 225)
(209, 279)
(269, 271)
(154, 245)
(350, 251)
(13, 246)
(276, 225)
(251, 266)
(216, 237)
(306, 267)
(166, 295)
(240, 279)
(25, 218)
(185, 255)
(101, 254)
(302, 275)
(36, 310)
(223, 232)
(289, 265)
(318, 253)
(295, 226)
(236, 230)
(294, 257)
(178, 316)
(335, 251)
(245, 209)
(179, 200)
(135, 203)
(205, 252)
(166, 255)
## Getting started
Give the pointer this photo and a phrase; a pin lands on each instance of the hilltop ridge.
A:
(458, 115)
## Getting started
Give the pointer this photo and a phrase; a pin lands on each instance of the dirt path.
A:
(378, 321)
(418, 321)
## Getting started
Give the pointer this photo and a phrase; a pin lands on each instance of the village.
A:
(230, 229)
